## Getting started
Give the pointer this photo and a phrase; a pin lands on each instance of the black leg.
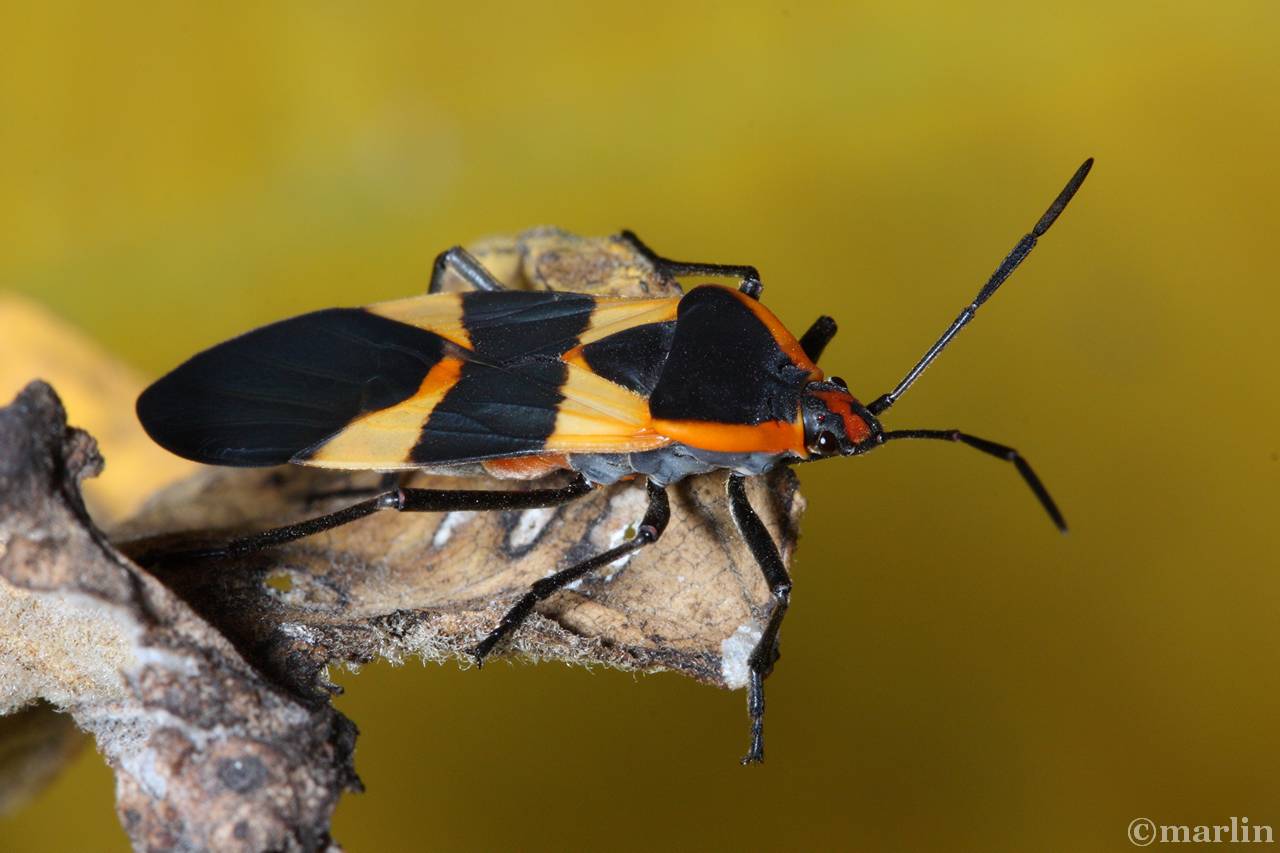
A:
(400, 500)
(651, 527)
(999, 451)
(815, 340)
(464, 264)
(749, 278)
(760, 663)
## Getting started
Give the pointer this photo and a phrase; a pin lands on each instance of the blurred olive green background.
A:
(956, 675)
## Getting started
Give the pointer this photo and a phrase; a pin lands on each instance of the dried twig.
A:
(208, 752)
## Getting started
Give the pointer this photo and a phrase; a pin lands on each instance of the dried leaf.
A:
(431, 585)
(98, 391)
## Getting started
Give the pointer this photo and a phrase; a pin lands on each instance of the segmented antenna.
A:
(1006, 268)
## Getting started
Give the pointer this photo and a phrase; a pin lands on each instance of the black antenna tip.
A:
(1061, 524)
(1064, 198)
(1083, 172)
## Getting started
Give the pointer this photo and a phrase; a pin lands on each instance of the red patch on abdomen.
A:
(525, 467)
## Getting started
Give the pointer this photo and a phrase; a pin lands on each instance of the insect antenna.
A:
(991, 448)
(1006, 268)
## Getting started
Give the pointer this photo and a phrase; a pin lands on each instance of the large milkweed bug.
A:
(527, 383)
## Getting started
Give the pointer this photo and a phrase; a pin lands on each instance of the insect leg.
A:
(650, 529)
(760, 663)
(400, 500)
(748, 278)
(464, 264)
(815, 340)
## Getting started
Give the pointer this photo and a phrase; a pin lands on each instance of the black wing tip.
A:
(265, 396)
(158, 410)
(150, 409)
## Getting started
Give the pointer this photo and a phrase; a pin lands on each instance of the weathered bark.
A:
(208, 752)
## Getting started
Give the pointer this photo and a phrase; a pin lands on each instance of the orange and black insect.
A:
(526, 383)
